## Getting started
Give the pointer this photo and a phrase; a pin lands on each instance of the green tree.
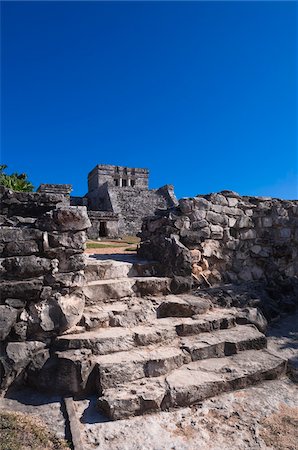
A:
(15, 181)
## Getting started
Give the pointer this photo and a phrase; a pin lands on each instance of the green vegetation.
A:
(19, 431)
(15, 181)
(103, 245)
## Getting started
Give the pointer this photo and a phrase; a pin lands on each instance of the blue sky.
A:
(204, 94)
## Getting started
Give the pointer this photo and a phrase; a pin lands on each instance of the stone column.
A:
(120, 181)
(128, 182)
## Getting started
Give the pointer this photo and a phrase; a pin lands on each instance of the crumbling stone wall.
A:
(42, 240)
(224, 238)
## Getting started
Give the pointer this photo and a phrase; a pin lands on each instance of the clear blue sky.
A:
(202, 93)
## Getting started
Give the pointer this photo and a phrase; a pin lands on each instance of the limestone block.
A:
(27, 266)
(216, 208)
(219, 199)
(197, 225)
(211, 248)
(68, 240)
(69, 259)
(182, 222)
(15, 303)
(8, 317)
(25, 289)
(217, 219)
(216, 232)
(56, 314)
(20, 248)
(232, 202)
(186, 205)
(249, 212)
(232, 211)
(232, 221)
(253, 316)
(248, 234)
(18, 356)
(201, 203)
(13, 234)
(68, 218)
(193, 238)
(197, 215)
(244, 222)
(67, 279)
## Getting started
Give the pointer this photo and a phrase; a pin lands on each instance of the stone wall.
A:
(133, 204)
(42, 240)
(224, 238)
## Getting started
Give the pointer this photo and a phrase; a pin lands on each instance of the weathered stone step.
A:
(111, 269)
(216, 319)
(184, 305)
(131, 312)
(115, 339)
(115, 289)
(190, 384)
(153, 361)
(122, 367)
(222, 343)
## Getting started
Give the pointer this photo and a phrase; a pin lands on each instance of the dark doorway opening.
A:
(103, 232)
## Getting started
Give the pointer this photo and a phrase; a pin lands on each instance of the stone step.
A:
(153, 361)
(134, 311)
(190, 384)
(215, 319)
(184, 305)
(222, 343)
(116, 289)
(97, 269)
(115, 339)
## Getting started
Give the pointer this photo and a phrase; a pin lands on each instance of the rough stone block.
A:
(21, 267)
(8, 317)
(216, 232)
(20, 248)
(70, 218)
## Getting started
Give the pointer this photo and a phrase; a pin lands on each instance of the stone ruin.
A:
(118, 199)
(133, 331)
(223, 238)
(42, 241)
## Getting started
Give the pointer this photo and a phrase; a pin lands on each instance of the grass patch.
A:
(131, 239)
(131, 249)
(24, 432)
(103, 245)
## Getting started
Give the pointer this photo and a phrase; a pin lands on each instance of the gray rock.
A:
(70, 218)
(253, 316)
(8, 317)
(20, 267)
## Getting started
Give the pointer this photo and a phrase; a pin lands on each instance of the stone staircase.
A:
(144, 350)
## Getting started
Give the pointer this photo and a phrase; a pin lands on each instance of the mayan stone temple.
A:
(118, 198)
(181, 320)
